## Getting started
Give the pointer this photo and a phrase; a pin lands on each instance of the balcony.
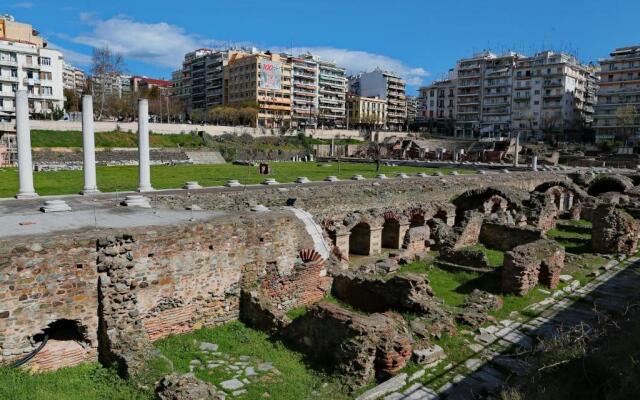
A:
(11, 63)
(5, 78)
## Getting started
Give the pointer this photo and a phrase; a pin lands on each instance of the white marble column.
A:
(89, 147)
(23, 133)
(534, 163)
(143, 146)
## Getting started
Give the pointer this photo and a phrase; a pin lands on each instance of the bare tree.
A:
(106, 66)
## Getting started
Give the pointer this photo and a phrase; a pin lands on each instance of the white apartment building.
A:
(332, 94)
(552, 92)
(497, 87)
(438, 100)
(385, 85)
(305, 75)
(27, 64)
(73, 78)
(548, 92)
(619, 95)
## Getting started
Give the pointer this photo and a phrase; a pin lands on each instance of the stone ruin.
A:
(343, 339)
(614, 231)
(527, 265)
(355, 346)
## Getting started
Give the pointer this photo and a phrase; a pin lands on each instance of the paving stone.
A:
(428, 355)
(476, 348)
(419, 392)
(250, 371)
(386, 387)
(445, 388)
(231, 384)
(267, 366)
(473, 363)
(204, 346)
(565, 278)
(239, 392)
(394, 396)
(485, 338)
(417, 375)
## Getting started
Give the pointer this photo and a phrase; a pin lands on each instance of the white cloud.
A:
(164, 44)
(361, 61)
(72, 57)
(161, 43)
(24, 4)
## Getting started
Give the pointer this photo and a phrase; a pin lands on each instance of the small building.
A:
(366, 112)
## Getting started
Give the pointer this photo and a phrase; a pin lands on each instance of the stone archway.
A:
(391, 231)
(360, 239)
(417, 218)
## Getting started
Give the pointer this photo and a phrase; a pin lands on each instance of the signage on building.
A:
(270, 75)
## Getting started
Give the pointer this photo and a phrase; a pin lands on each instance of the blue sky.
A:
(421, 39)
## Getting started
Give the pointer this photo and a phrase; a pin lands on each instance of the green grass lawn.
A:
(112, 139)
(296, 380)
(574, 236)
(454, 286)
(84, 382)
(111, 179)
(495, 257)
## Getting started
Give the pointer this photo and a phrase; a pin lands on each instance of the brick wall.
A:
(185, 276)
(506, 237)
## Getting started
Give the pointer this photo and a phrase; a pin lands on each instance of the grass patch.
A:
(125, 178)
(84, 382)
(296, 380)
(297, 312)
(43, 138)
(495, 257)
(575, 237)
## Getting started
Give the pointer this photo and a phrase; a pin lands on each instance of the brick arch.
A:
(391, 216)
(609, 183)
(392, 230)
(417, 216)
(309, 255)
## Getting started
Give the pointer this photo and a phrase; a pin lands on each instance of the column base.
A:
(86, 192)
(27, 195)
(145, 189)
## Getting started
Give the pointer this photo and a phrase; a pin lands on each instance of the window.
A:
(45, 61)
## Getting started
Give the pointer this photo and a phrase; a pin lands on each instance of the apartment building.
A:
(412, 109)
(470, 73)
(199, 84)
(619, 95)
(370, 112)
(27, 64)
(385, 85)
(112, 85)
(332, 93)
(501, 94)
(497, 91)
(438, 100)
(263, 78)
(305, 89)
(552, 92)
(73, 78)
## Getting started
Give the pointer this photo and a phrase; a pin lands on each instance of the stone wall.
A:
(527, 265)
(185, 276)
(506, 237)
(335, 200)
(614, 231)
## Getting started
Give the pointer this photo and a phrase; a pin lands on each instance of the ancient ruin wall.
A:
(329, 200)
(186, 276)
